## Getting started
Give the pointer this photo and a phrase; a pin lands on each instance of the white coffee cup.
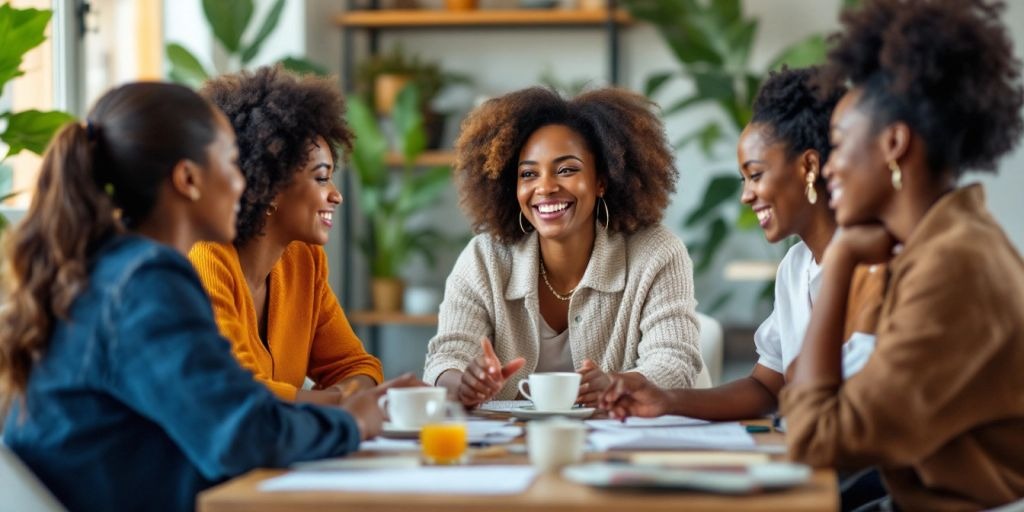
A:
(555, 442)
(553, 392)
(413, 407)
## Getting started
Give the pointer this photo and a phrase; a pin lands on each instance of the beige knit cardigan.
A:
(633, 309)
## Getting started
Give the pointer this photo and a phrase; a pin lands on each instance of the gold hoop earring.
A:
(272, 209)
(897, 175)
(812, 193)
(525, 232)
(607, 216)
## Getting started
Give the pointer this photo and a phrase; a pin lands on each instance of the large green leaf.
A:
(408, 119)
(268, 26)
(370, 147)
(805, 53)
(720, 189)
(228, 19)
(20, 31)
(423, 190)
(706, 136)
(656, 80)
(185, 67)
(727, 11)
(32, 130)
(302, 66)
(747, 219)
(717, 231)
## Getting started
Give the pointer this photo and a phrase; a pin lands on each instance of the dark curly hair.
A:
(796, 112)
(944, 67)
(620, 128)
(276, 116)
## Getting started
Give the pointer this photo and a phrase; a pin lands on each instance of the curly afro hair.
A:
(620, 128)
(276, 116)
(944, 67)
(795, 110)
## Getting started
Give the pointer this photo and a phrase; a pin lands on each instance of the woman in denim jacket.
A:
(120, 394)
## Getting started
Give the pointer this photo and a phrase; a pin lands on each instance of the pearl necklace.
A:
(544, 274)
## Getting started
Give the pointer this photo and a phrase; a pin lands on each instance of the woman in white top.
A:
(572, 270)
(781, 154)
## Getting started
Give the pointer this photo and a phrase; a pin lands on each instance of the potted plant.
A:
(382, 76)
(712, 41)
(229, 20)
(388, 199)
(20, 31)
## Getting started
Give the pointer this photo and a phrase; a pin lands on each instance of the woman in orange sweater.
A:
(269, 288)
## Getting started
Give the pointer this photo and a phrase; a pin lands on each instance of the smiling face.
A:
(222, 186)
(775, 184)
(858, 175)
(305, 208)
(557, 184)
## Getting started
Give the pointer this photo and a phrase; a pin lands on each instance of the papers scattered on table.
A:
(493, 432)
(713, 436)
(423, 480)
(633, 422)
(384, 444)
(342, 463)
(504, 405)
(698, 458)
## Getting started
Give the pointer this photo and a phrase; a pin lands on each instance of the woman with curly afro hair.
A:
(936, 91)
(781, 154)
(269, 288)
(572, 269)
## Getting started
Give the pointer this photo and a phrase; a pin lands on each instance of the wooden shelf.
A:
(397, 318)
(426, 159)
(425, 18)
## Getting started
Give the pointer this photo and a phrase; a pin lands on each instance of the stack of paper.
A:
(423, 480)
(712, 436)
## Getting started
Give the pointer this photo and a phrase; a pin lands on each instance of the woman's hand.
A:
(869, 244)
(593, 383)
(631, 394)
(363, 406)
(485, 376)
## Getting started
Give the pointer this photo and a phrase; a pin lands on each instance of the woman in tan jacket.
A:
(938, 407)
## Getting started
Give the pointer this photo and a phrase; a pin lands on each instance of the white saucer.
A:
(396, 432)
(527, 412)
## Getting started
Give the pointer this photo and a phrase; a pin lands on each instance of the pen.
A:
(758, 429)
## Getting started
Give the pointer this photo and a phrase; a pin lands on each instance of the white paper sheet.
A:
(716, 436)
(633, 422)
(504, 405)
(424, 480)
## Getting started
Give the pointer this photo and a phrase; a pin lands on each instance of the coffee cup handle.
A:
(523, 391)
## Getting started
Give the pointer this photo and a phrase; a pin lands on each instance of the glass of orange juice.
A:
(443, 440)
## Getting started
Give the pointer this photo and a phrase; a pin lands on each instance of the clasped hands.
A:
(486, 375)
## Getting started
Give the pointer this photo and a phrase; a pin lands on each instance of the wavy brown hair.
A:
(621, 129)
(277, 116)
(95, 178)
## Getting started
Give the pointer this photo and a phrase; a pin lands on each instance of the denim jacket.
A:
(137, 402)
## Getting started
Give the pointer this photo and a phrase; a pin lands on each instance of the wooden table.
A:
(549, 492)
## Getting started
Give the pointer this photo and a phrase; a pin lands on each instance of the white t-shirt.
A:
(780, 336)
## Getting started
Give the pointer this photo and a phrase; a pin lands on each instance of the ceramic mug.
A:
(413, 407)
(555, 391)
(555, 442)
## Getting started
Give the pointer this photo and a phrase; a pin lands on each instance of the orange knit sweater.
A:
(307, 330)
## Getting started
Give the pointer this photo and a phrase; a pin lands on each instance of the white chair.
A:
(21, 490)
(711, 349)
